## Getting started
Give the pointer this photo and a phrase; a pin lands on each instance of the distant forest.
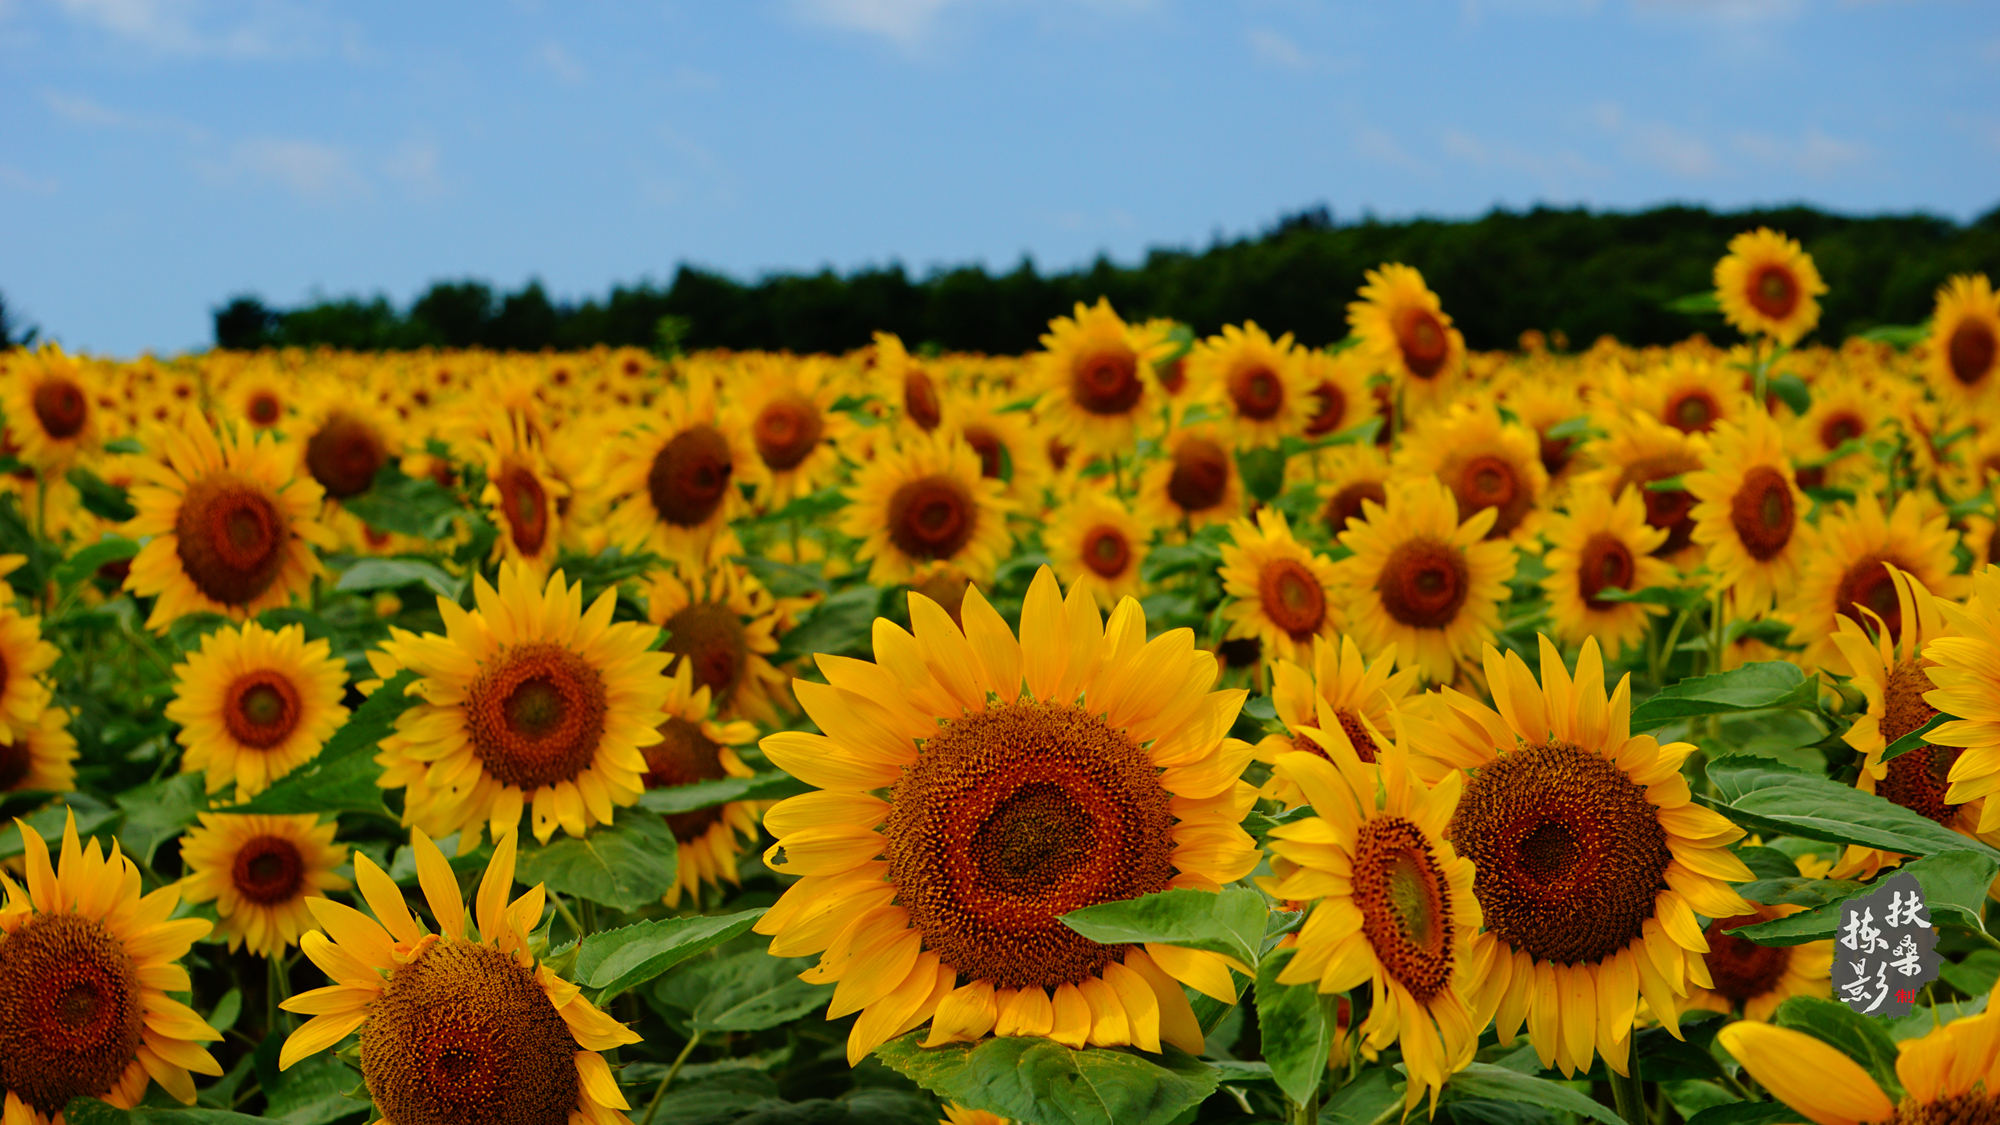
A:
(1572, 271)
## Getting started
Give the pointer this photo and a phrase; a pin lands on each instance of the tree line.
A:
(1573, 271)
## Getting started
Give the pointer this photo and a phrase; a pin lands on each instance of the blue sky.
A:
(162, 155)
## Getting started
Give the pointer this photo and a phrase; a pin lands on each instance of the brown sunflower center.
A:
(1357, 733)
(946, 587)
(1200, 476)
(1013, 817)
(261, 709)
(1867, 585)
(1345, 504)
(1555, 453)
(1918, 779)
(1424, 344)
(1569, 852)
(1331, 411)
(268, 870)
(1773, 291)
(464, 1036)
(61, 407)
(263, 409)
(920, 400)
(1976, 1107)
(1405, 906)
(684, 756)
(1839, 429)
(1291, 596)
(70, 1016)
(710, 636)
(1105, 551)
(1604, 562)
(787, 431)
(1670, 509)
(525, 504)
(690, 476)
(536, 715)
(345, 455)
(932, 518)
(1741, 969)
(17, 760)
(1106, 381)
(1761, 512)
(987, 444)
(1173, 374)
(1971, 352)
(1489, 481)
(230, 538)
(1692, 411)
(1424, 583)
(1257, 392)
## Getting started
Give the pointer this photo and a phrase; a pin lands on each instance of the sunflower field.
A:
(1148, 730)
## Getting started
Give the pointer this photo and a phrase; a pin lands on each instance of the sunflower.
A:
(1767, 286)
(1345, 706)
(530, 701)
(1487, 463)
(1002, 809)
(693, 748)
(24, 656)
(523, 493)
(720, 620)
(52, 411)
(1405, 332)
(85, 969)
(1420, 581)
(1966, 670)
(916, 394)
(1843, 409)
(1006, 443)
(1336, 384)
(1638, 452)
(796, 431)
(42, 760)
(1254, 383)
(1094, 542)
(344, 438)
(254, 704)
(261, 871)
(1963, 353)
(1847, 567)
(260, 397)
(1349, 475)
(955, 1114)
(1592, 860)
(674, 481)
(1950, 1074)
(923, 504)
(1691, 394)
(1749, 513)
(1757, 978)
(455, 1031)
(1603, 544)
(227, 528)
(1195, 484)
(1094, 396)
(1281, 589)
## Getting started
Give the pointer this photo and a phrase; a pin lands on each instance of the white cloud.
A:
(1555, 173)
(1276, 48)
(1814, 154)
(1377, 145)
(561, 63)
(310, 170)
(1657, 143)
(251, 29)
(906, 23)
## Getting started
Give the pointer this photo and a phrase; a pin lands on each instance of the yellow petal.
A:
(1826, 1086)
(440, 885)
(385, 898)
(316, 1035)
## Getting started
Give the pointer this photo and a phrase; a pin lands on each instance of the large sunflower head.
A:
(1283, 592)
(1404, 331)
(1485, 462)
(694, 748)
(1593, 861)
(228, 527)
(1639, 452)
(923, 504)
(53, 413)
(974, 788)
(254, 704)
(1345, 708)
(1254, 383)
(86, 963)
(1749, 513)
(722, 624)
(1092, 372)
(260, 871)
(675, 481)
(1096, 543)
(1195, 484)
(1768, 286)
(1603, 544)
(524, 494)
(1421, 582)
(1963, 360)
(457, 1027)
(1848, 568)
(531, 703)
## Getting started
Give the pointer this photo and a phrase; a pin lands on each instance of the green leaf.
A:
(101, 498)
(1695, 304)
(1859, 1038)
(83, 566)
(1753, 687)
(1042, 1080)
(223, 1016)
(616, 960)
(1915, 738)
(90, 1111)
(1797, 890)
(1374, 1097)
(1230, 923)
(1776, 799)
(1975, 975)
(626, 865)
(745, 992)
(157, 812)
(1921, 1020)
(1263, 472)
(90, 821)
(394, 574)
(313, 1092)
(342, 777)
(783, 579)
(417, 506)
(842, 625)
(1954, 885)
(1902, 337)
(1792, 390)
(1296, 1023)
(1746, 1113)
(1768, 863)
(769, 786)
(1484, 1080)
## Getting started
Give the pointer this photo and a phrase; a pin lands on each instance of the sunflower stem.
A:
(277, 993)
(562, 908)
(1628, 1091)
(680, 1060)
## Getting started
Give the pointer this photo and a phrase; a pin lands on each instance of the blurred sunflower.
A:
(1006, 443)
(53, 415)
(1350, 475)
(1008, 808)
(1966, 670)
(455, 1031)
(1844, 409)
(227, 527)
(675, 483)
(1691, 394)
(1639, 452)
(261, 397)
(260, 871)
(1096, 544)
(254, 704)
(1485, 462)
(1336, 384)
(694, 748)
(1757, 978)
(1282, 591)
(343, 438)
(793, 425)
(1421, 582)
(1345, 706)
(923, 504)
(1195, 484)
(24, 656)
(1404, 331)
(1963, 355)
(914, 392)
(530, 703)
(1255, 384)
(722, 624)
(1592, 860)
(1847, 566)
(1599, 545)
(1394, 907)
(1094, 396)
(523, 495)
(1749, 513)
(43, 760)
(1768, 286)
(85, 969)
(1542, 405)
